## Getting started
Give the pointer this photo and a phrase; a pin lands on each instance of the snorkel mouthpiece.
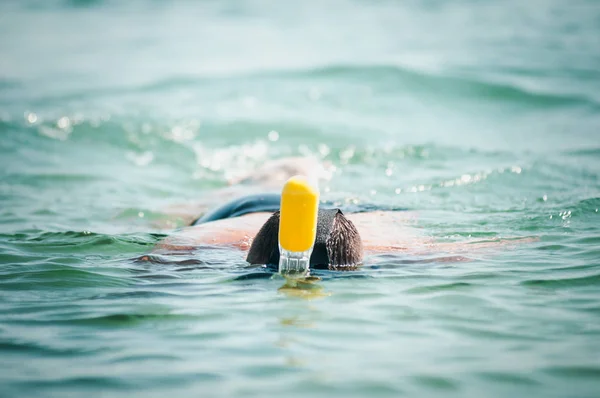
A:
(297, 226)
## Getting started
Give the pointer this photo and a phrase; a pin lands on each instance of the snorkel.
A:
(297, 226)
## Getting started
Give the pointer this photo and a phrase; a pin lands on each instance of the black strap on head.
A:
(337, 244)
(241, 206)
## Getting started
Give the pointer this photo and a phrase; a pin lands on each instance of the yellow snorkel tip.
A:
(297, 225)
(298, 215)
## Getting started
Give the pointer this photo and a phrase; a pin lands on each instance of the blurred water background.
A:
(482, 116)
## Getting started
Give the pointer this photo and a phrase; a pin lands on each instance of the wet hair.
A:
(338, 245)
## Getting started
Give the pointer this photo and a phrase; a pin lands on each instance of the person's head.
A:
(337, 246)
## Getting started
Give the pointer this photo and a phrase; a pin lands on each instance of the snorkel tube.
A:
(297, 226)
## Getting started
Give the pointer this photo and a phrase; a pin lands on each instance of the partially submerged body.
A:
(381, 231)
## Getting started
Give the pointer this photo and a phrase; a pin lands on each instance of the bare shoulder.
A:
(235, 232)
(380, 231)
(387, 230)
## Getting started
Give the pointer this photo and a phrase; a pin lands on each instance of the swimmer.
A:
(344, 236)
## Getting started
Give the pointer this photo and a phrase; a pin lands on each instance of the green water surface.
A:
(481, 116)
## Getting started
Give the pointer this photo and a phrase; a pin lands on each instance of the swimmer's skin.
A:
(381, 232)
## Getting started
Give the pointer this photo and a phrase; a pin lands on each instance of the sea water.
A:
(481, 117)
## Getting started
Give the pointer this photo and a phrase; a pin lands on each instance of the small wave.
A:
(39, 349)
(99, 382)
(84, 3)
(158, 86)
(491, 333)
(254, 276)
(591, 373)
(66, 178)
(170, 260)
(592, 152)
(437, 382)
(78, 238)
(453, 286)
(137, 358)
(58, 278)
(143, 294)
(379, 77)
(509, 378)
(565, 282)
(124, 319)
(588, 205)
(9, 84)
(397, 77)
